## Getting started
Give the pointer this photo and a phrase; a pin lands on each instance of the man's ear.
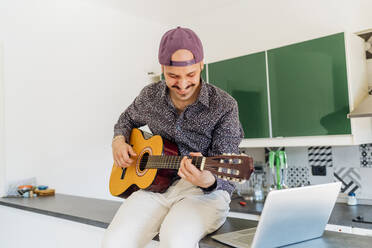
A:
(162, 69)
(201, 65)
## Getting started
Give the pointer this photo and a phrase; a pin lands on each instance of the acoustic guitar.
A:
(156, 165)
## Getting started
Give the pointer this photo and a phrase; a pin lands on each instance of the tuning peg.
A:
(224, 154)
(231, 161)
(228, 171)
(219, 176)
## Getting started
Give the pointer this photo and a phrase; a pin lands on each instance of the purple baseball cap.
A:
(180, 38)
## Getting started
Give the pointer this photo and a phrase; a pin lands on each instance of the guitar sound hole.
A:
(143, 162)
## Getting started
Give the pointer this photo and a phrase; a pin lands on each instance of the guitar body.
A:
(125, 181)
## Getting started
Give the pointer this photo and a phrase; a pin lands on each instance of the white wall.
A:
(369, 68)
(70, 68)
(247, 26)
(2, 128)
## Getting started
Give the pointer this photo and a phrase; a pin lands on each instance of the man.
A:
(202, 120)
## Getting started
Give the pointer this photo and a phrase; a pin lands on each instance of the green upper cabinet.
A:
(309, 88)
(245, 79)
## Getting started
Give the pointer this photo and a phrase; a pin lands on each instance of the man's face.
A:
(182, 81)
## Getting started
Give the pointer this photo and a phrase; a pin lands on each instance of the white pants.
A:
(182, 216)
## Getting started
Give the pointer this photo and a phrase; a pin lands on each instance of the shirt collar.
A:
(203, 94)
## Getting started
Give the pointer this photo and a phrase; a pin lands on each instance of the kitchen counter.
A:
(99, 213)
(342, 213)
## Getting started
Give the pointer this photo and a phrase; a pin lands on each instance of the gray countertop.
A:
(342, 213)
(85, 210)
(99, 213)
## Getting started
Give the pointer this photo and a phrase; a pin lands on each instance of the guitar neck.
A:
(170, 162)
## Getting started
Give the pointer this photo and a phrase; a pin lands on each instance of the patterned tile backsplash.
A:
(298, 176)
(320, 156)
(351, 165)
(350, 179)
(366, 155)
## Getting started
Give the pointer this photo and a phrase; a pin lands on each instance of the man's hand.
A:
(189, 172)
(121, 152)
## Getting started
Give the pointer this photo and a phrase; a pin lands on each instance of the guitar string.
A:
(162, 162)
(171, 162)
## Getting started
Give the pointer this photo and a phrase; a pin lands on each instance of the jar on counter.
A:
(351, 200)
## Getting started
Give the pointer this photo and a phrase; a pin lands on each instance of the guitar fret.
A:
(169, 162)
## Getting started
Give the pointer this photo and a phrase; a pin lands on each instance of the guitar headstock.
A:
(236, 168)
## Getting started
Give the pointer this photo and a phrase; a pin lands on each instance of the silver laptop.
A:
(289, 216)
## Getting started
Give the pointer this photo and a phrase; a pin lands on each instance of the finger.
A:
(182, 165)
(131, 151)
(117, 158)
(191, 169)
(186, 173)
(126, 158)
(124, 161)
(197, 154)
(116, 163)
(121, 161)
(180, 173)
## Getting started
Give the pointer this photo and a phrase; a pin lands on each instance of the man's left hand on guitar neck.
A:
(189, 172)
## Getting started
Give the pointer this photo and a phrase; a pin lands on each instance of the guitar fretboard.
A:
(167, 162)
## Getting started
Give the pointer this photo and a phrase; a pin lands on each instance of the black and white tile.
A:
(350, 179)
(365, 155)
(298, 176)
(320, 156)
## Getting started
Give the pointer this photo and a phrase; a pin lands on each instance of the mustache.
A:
(188, 86)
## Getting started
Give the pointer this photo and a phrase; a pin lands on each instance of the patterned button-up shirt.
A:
(210, 125)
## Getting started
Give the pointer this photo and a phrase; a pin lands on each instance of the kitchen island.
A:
(99, 213)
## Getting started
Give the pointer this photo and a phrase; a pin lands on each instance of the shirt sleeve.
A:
(133, 116)
(227, 136)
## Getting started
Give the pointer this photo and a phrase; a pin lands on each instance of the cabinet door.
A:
(308, 88)
(204, 73)
(244, 78)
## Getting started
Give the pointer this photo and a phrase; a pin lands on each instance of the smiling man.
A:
(202, 120)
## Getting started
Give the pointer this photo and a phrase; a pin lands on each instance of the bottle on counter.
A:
(351, 200)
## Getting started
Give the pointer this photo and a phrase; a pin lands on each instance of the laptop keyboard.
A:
(240, 239)
(245, 236)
